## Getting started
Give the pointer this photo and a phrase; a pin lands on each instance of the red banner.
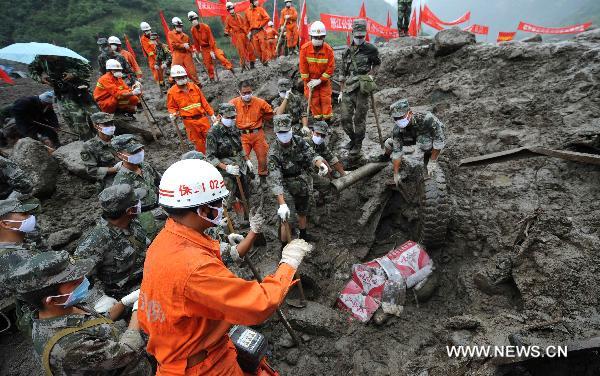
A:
(303, 24)
(505, 36)
(379, 30)
(275, 17)
(165, 26)
(429, 19)
(574, 29)
(344, 24)
(5, 77)
(478, 29)
(129, 48)
(428, 13)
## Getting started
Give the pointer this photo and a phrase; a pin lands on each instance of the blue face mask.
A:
(77, 295)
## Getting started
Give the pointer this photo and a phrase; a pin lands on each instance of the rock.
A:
(268, 90)
(461, 338)
(292, 357)
(59, 239)
(533, 39)
(462, 322)
(69, 157)
(408, 42)
(451, 40)
(33, 157)
(316, 319)
(286, 341)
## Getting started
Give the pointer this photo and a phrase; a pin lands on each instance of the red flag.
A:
(430, 19)
(412, 26)
(478, 29)
(505, 36)
(165, 26)
(389, 21)
(129, 48)
(303, 24)
(347, 38)
(363, 14)
(275, 17)
(224, 3)
(5, 77)
(573, 29)
(432, 16)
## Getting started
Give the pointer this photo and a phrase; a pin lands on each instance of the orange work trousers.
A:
(256, 141)
(196, 130)
(291, 36)
(185, 59)
(111, 105)
(272, 46)
(260, 46)
(244, 50)
(320, 104)
(209, 64)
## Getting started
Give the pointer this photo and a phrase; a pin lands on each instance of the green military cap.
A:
(126, 143)
(359, 27)
(102, 117)
(284, 83)
(102, 41)
(193, 155)
(12, 205)
(400, 108)
(282, 123)
(120, 197)
(47, 269)
(227, 110)
(320, 127)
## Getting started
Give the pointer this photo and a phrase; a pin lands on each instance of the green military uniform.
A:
(296, 104)
(322, 184)
(76, 101)
(13, 179)
(290, 165)
(118, 253)
(224, 145)
(357, 62)
(148, 179)
(425, 131)
(98, 155)
(106, 53)
(404, 8)
(78, 343)
(163, 56)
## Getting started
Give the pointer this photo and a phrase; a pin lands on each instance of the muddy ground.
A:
(491, 98)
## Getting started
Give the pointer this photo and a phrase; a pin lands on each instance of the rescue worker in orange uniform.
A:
(252, 112)
(317, 64)
(149, 48)
(204, 42)
(115, 45)
(258, 18)
(237, 28)
(181, 46)
(112, 93)
(189, 299)
(186, 100)
(289, 16)
(271, 34)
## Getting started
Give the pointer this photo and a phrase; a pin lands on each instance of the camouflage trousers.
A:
(232, 187)
(75, 115)
(355, 106)
(299, 188)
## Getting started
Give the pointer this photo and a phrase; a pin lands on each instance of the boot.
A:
(252, 65)
(263, 181)
(307, 237)
(265, 63)
(349, 145)
(356, 148)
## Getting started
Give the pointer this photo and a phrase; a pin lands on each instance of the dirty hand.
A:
(257, 221)
(104, 304)
(212, 55)
(164, 66)
(172, 116)
(340, 97)
(431, 167)
(136, 91)
(232, 170)
(213, 119)
(250, 165)
(294, 252)
(397, 180)
(131, 298)
(323, 170)
(306, 131)
(235, 239)
(283, 212)
(314, 83)
(155, 67)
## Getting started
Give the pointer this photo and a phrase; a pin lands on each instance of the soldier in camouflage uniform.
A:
(118, 243)
(138, 174)
(360, 62)
(290, 162)
(14, 182)
(404, 8)
(421, 129)
(97, 154)
(163, 62)
(292, 104)
(224, 151)
(68, 337)
(107, 53)
(70, 79)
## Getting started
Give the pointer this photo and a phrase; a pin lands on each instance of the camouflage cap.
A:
(127, 143)
(47, 269)
(284, 83)
(320, 127)
(102, 117)
(12, 205)
(400, 108)
(102, 41)
(227, 110)
(118, 198)
(194, 154)
(359, 27)
(282, 123)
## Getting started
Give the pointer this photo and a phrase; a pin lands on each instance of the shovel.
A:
(377, 122)
(310, 93)
(286, 237)
(181, 139)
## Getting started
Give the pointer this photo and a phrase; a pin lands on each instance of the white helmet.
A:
(112, 64)
(178, 71)
(145, 26)
(191, 183)
(177, 21)
(114, 40)
(229, 5)
(317, 29)
(192, 15)
(270, 23)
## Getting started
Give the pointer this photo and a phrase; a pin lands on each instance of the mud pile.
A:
(534, 221)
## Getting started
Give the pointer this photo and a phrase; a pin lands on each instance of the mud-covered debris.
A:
(32, 156)
(462, 322)
(59, 239)
(451, 40)
(316, 319)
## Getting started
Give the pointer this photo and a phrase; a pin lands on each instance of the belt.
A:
(148, 208)
(195, 117)
(249, 131)
(196, 358)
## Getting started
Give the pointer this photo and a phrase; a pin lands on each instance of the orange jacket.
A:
(131, 60)
(236, 24)
(271, 32)
(316, 64)
(251, 115)
(203, 37)
(257, 17)
(109, 86)
(291, 22)
(148, 47)
(188, 103)
(177, 40)
(189, 299)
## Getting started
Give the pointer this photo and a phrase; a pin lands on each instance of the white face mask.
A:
(402, 123)
(195, 22)
(109, 131)
(247, 97)
(282, 94)
(284, 137)
(288, 5)
(114, 47)
(317, 42)
(136, 158)
(181, 81)
(228, 122)
(358, 41)
(179, 29)
(27, 225)
(217, 220)
(148, 32)
(318, 140)
(255, 3)
(118, 74)
(232, 11)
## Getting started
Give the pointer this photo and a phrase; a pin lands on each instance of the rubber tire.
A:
(433, 211)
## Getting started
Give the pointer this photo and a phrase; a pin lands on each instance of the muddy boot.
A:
(252, 65)
(306, 236)
(349, 145)
(265, 63)
(356, 148)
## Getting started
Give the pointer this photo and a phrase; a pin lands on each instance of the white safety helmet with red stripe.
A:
(191, 183)
(114, 40)
(317, 29)
(229, 5)
(112, 64)
(178, 71)
(145, 26)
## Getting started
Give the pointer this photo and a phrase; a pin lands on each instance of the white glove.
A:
(212, 55)
(118, 164)
(287, 94)
(250, 165)
(223, 222)
(340, 97)
(135, 306)
(155, 67)
(294, 252)
(130, 298)
(104, 304)
(232, 170)
(397, 180)
(137, 84)
(283, 212)
(235, 239)
(432, 166)
(172, 116)
(305, 131)
(314, 83)
(249, 36)
(323, 170)
(257, 221)
(287, 16)
(213, 119)
(164, 66)
(136, 91)
(186, 46)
